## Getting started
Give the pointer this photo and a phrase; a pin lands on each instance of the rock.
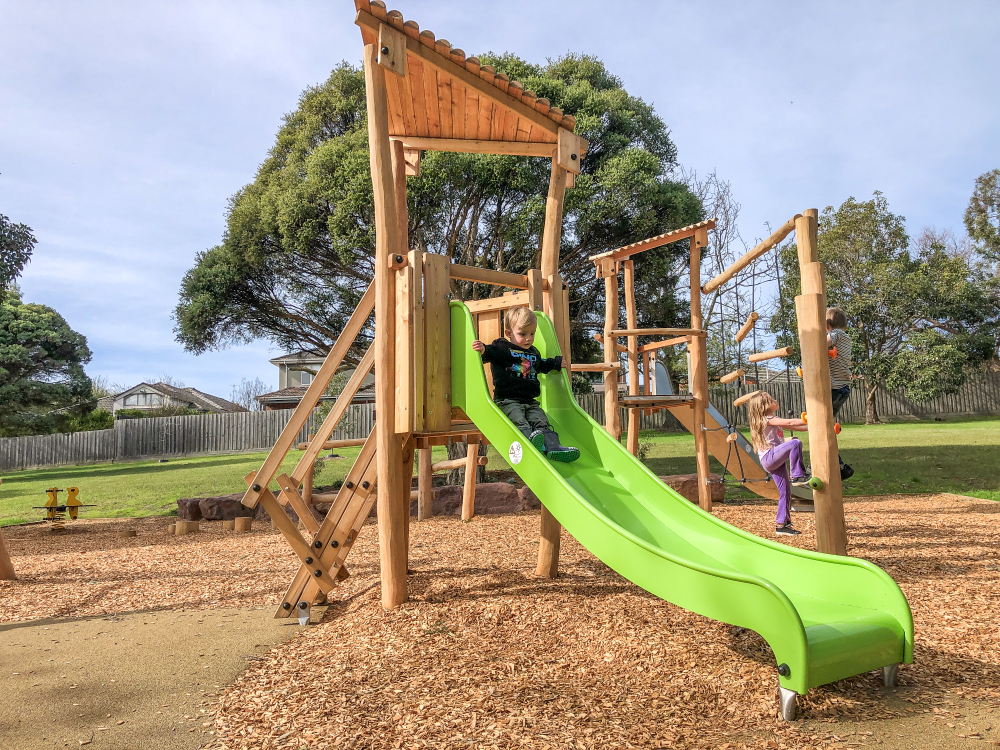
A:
(687, 486)
(188, 509)
(491, 497)
(529, 499)
(224, 508)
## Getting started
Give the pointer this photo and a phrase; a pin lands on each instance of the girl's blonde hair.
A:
(519, 318)
(757, 416)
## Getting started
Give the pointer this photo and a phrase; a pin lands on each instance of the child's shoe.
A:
(786, 530)
(846, 472)
(800, 481)
(537, 439)
(564, 454)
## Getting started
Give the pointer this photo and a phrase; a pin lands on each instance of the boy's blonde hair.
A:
(836, 317)
(757, 417)
(519, 318)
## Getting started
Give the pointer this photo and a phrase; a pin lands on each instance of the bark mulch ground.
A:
(486, 655)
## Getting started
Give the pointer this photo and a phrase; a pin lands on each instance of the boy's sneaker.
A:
(800, 481)
(564, 454)
(786, 530)
(537, 439)
(846, 472)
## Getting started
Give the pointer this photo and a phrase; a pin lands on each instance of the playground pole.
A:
(391, 521)
(551, 530)
(810, 311)
(6, 566)
(698, 376)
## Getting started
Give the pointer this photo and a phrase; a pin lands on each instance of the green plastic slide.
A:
(825, 617)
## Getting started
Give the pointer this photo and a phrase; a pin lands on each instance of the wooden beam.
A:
(783, 231)
(595, 367)
(632, 441)
(457, 463)
(612, 419)
(729, 377)
(425, 486)
(6, 566)
(437, 344)
(488, 276)
(747, 327)
(469, 490)
(569, 154)
(473, 146)
(744, 398)
(392, 49)
(698, 376)
(600, 338)
(623, 332)
(519, 299)
(340, 406)
(663, 344)
(327, 370)
(391, 521)
(331, 444)
(291, 496)
(536, 290)
(635, 248)
(773, 354)
(430, 57)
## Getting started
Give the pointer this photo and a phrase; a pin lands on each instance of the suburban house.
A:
(295, 374)
(150, 396)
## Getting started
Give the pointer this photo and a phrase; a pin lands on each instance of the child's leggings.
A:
(775, 462)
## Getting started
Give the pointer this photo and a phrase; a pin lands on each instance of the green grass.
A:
(904, 457)
(960, 457)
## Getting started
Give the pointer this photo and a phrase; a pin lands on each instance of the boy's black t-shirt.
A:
(515, 370)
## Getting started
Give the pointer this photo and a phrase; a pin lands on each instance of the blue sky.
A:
(126, 126)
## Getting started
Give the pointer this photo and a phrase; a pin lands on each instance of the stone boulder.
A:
(687, 486)
(188, 509)
(529, 499)
(226, 508)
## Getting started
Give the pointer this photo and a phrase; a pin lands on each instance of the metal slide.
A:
(825, 617)
(739, 459)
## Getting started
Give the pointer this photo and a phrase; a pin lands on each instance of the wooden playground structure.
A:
(423, 94)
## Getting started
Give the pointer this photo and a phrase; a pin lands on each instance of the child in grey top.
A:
(840, 368)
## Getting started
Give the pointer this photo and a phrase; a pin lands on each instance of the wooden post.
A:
(536, 300)
(612, 419)
(242, 523)
(307, 485)
(698, 375)
(391, 522)
(810, 310)
(548, 544)
(6, 566)
(633, 357)
(425, 488)
(471, 466)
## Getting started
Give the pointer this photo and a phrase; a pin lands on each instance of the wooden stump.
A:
(171, 529)
(228, 525)
(242, 524)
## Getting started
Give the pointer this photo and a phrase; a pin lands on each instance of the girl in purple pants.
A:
(777, 454)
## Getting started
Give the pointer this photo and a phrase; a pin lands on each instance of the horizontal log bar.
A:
(456, 463)
(469, 146)
(329, 444)
(783, 231)
(744, 398)
(773, 354)
(488, 276)
(747, 327)
(594, 367)
(729, 377)
(519, 299)
(619, 347)
(655, 332)
(667, 342)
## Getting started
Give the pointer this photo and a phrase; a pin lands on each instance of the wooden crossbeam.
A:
(635, 248)
(662, 344)
(472, 146)
(262, 478)
(352, 499)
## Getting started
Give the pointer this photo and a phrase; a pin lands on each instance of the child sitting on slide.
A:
(768, 437)
(516, 364)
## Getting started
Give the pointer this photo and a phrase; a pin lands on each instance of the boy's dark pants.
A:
(840, 396)
(526, 417)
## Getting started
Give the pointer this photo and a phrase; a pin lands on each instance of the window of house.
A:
(307, 378)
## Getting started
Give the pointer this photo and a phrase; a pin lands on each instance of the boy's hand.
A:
(479, 346)
(564, 365)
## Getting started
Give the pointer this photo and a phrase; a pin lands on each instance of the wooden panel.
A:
(458, 109)
(392, 49)
(416, 260)
(417, 91)
(432, 106)
(437, 343)
(485, 116)
(626, 251)
(475, 146)
(490, 329)
(570, 151)
(444, 106)
(517, 299)
(471, 114)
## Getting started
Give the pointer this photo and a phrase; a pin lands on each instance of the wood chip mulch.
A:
(486, 655)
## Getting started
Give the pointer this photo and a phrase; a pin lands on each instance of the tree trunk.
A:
(457, 476)
(871, 408)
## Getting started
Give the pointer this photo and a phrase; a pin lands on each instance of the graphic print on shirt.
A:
(523, 364)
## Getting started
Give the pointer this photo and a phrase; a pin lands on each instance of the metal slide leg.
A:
(305, 611)
(889, 675)
(788, 706)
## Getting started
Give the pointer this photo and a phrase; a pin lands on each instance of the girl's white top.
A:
(773, 436)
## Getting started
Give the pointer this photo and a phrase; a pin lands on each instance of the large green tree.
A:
(982, 217)
(297, 251)
(918, 320)
(16, 245)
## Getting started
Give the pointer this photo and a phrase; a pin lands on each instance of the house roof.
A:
(200, 399)
(442, 94)
(299, 357)
(294, 394)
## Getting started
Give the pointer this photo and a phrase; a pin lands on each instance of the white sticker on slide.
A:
(515, 453)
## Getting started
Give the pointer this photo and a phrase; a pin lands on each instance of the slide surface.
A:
(825, 617)
(739, 458)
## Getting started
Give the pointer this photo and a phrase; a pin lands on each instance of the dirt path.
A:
(142, 679)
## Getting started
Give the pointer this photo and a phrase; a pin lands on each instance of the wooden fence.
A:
(160, 437)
